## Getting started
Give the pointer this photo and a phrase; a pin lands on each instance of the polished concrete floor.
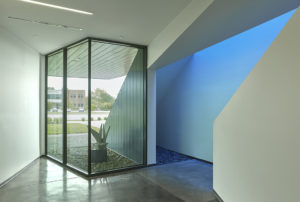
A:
(46, 181)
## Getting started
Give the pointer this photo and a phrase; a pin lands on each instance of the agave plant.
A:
(100, 153)
(101, 136)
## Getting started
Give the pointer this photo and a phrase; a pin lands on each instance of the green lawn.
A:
(54, 129)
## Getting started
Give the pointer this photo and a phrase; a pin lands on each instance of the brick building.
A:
(76, 99)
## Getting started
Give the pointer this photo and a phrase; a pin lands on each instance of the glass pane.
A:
(77, 106)
(54, 106)
(116, 106)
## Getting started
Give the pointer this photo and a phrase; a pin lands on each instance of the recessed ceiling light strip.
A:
(47, 23)
(57, 7)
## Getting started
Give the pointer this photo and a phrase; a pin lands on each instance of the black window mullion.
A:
(46, 105)
(89, 106)
(65, 97)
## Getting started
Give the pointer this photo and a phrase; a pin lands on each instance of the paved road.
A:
(79, 115)
(93, 123)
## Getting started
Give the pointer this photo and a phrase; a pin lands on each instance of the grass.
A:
(54, 129)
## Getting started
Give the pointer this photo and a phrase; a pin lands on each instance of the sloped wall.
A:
(257, 135)
(192, 92)
(127, 115)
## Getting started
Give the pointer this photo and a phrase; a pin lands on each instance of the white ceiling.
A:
(139, 22)
(133, 21)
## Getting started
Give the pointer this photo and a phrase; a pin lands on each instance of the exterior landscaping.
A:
(72, 128)
(78, 157)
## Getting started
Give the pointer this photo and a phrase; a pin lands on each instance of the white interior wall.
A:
(151, 117)
(42, 104)
(19, 111)
(176, 28)
(193, 91)
(256, 136)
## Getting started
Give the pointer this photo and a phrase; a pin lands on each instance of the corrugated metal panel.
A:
(109, 61)
(126, 116)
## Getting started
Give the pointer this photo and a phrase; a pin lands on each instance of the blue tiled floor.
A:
(164, 156)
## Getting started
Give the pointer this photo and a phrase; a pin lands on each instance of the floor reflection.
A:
(45, 180)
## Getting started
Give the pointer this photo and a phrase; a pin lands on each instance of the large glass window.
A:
(77, 106)
(117, 106)
(55, 106)
(100, 126)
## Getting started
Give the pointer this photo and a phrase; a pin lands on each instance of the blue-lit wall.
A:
(193, 91)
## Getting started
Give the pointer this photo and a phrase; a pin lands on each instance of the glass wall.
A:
(55, 106)
(77, 106)
(117, 106)
(104, 88)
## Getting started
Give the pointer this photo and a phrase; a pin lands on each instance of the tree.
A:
(50, 105)
(102, 100)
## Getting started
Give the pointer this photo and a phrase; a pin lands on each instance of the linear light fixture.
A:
(46, 23)
(57, 7)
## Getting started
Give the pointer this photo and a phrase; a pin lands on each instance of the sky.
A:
(111, 86)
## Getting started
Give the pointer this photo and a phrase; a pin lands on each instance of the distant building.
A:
(76, 99)
(55, 99)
